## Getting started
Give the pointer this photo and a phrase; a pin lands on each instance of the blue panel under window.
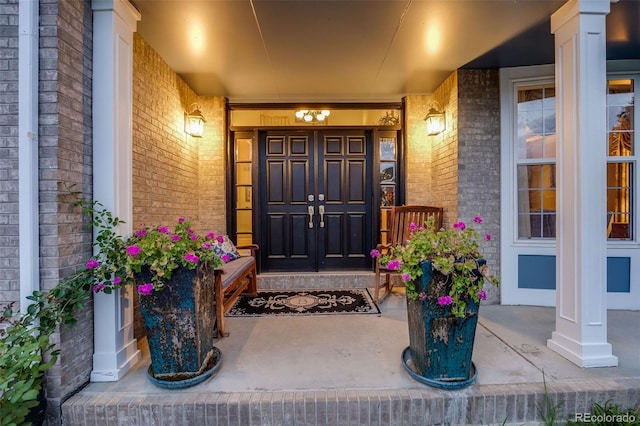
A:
(618, 274)
(537, 272)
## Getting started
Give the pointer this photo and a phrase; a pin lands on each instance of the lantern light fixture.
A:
(194, 122)
(435, 119)
(312, 116)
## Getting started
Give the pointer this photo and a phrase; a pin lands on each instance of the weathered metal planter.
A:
(440, 345)
(180, 326)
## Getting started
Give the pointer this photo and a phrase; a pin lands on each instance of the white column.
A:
(581, 310)
(114, 22)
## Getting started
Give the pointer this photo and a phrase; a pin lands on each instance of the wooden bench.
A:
(233, 279)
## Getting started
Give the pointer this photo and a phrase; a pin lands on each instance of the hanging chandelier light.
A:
(312, 116)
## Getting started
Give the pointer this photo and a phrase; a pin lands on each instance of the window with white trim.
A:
(535, 156)
(621, 157)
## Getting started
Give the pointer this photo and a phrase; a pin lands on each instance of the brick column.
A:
(114, 22)
(581, 308)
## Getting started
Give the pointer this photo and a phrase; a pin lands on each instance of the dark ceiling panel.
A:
(535, 46)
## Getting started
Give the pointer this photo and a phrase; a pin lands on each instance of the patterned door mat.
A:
(304, 302)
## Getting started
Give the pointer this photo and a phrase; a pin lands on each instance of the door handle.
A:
(321, 211)
(311, 211)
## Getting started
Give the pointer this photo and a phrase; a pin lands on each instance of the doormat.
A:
(304, 302)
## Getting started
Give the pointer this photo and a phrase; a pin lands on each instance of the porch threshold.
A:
(316, 280)
(334, 370)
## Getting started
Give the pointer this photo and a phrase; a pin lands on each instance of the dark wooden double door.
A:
(315, 196)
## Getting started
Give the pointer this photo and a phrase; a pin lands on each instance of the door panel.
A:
(286, 179)
(302, 170)
(345, 181)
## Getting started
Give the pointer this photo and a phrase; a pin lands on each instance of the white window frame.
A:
(634, 242)
(511, 246)
(628, 248)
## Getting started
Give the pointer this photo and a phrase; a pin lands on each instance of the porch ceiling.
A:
(354, 50)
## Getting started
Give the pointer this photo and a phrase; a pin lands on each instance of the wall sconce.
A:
(194, 122)
(435, 121)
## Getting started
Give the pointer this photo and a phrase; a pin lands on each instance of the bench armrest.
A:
(252, 247)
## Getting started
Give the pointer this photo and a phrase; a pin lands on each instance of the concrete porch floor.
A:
(346, 369)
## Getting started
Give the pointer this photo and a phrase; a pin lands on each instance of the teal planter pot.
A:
(180, 326)
(441, 345)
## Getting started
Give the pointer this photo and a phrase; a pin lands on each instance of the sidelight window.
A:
(388, 182)
(244, 190)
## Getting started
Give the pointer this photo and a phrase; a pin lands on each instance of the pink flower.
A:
(190, 257)
(117, 280)
(133, 251)
(175, 237)
(225, 258)
(459, 225)
(406, 277)
(393, 265)
(211, 235)
(206, 245)
(180, 219)
(145, 289)
(374, 253)
(220, 239)
(141, 233)
(163, 229)
(191, 231)
(488, 237)
(477, 219)
(482, 295)
(194, 237)
(92, 263)
(413, 226)
(98, 287)
(444, 300)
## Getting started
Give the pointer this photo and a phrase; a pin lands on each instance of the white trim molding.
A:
(28, 150)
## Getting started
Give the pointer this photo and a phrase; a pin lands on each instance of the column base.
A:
(583, 355)
(102, 365)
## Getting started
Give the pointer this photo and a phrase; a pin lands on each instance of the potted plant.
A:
(155, 261)
(444, 275)
(172, 270)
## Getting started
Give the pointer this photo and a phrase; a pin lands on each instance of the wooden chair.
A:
(399, 222)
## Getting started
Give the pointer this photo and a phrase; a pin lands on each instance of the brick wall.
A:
(174, 174)
(9, 261)
(460, 168)
(211, 197)
(431, 161)
(445, 151)
(65, 151)
(165, 159)
(479, 159)
(418, 153)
